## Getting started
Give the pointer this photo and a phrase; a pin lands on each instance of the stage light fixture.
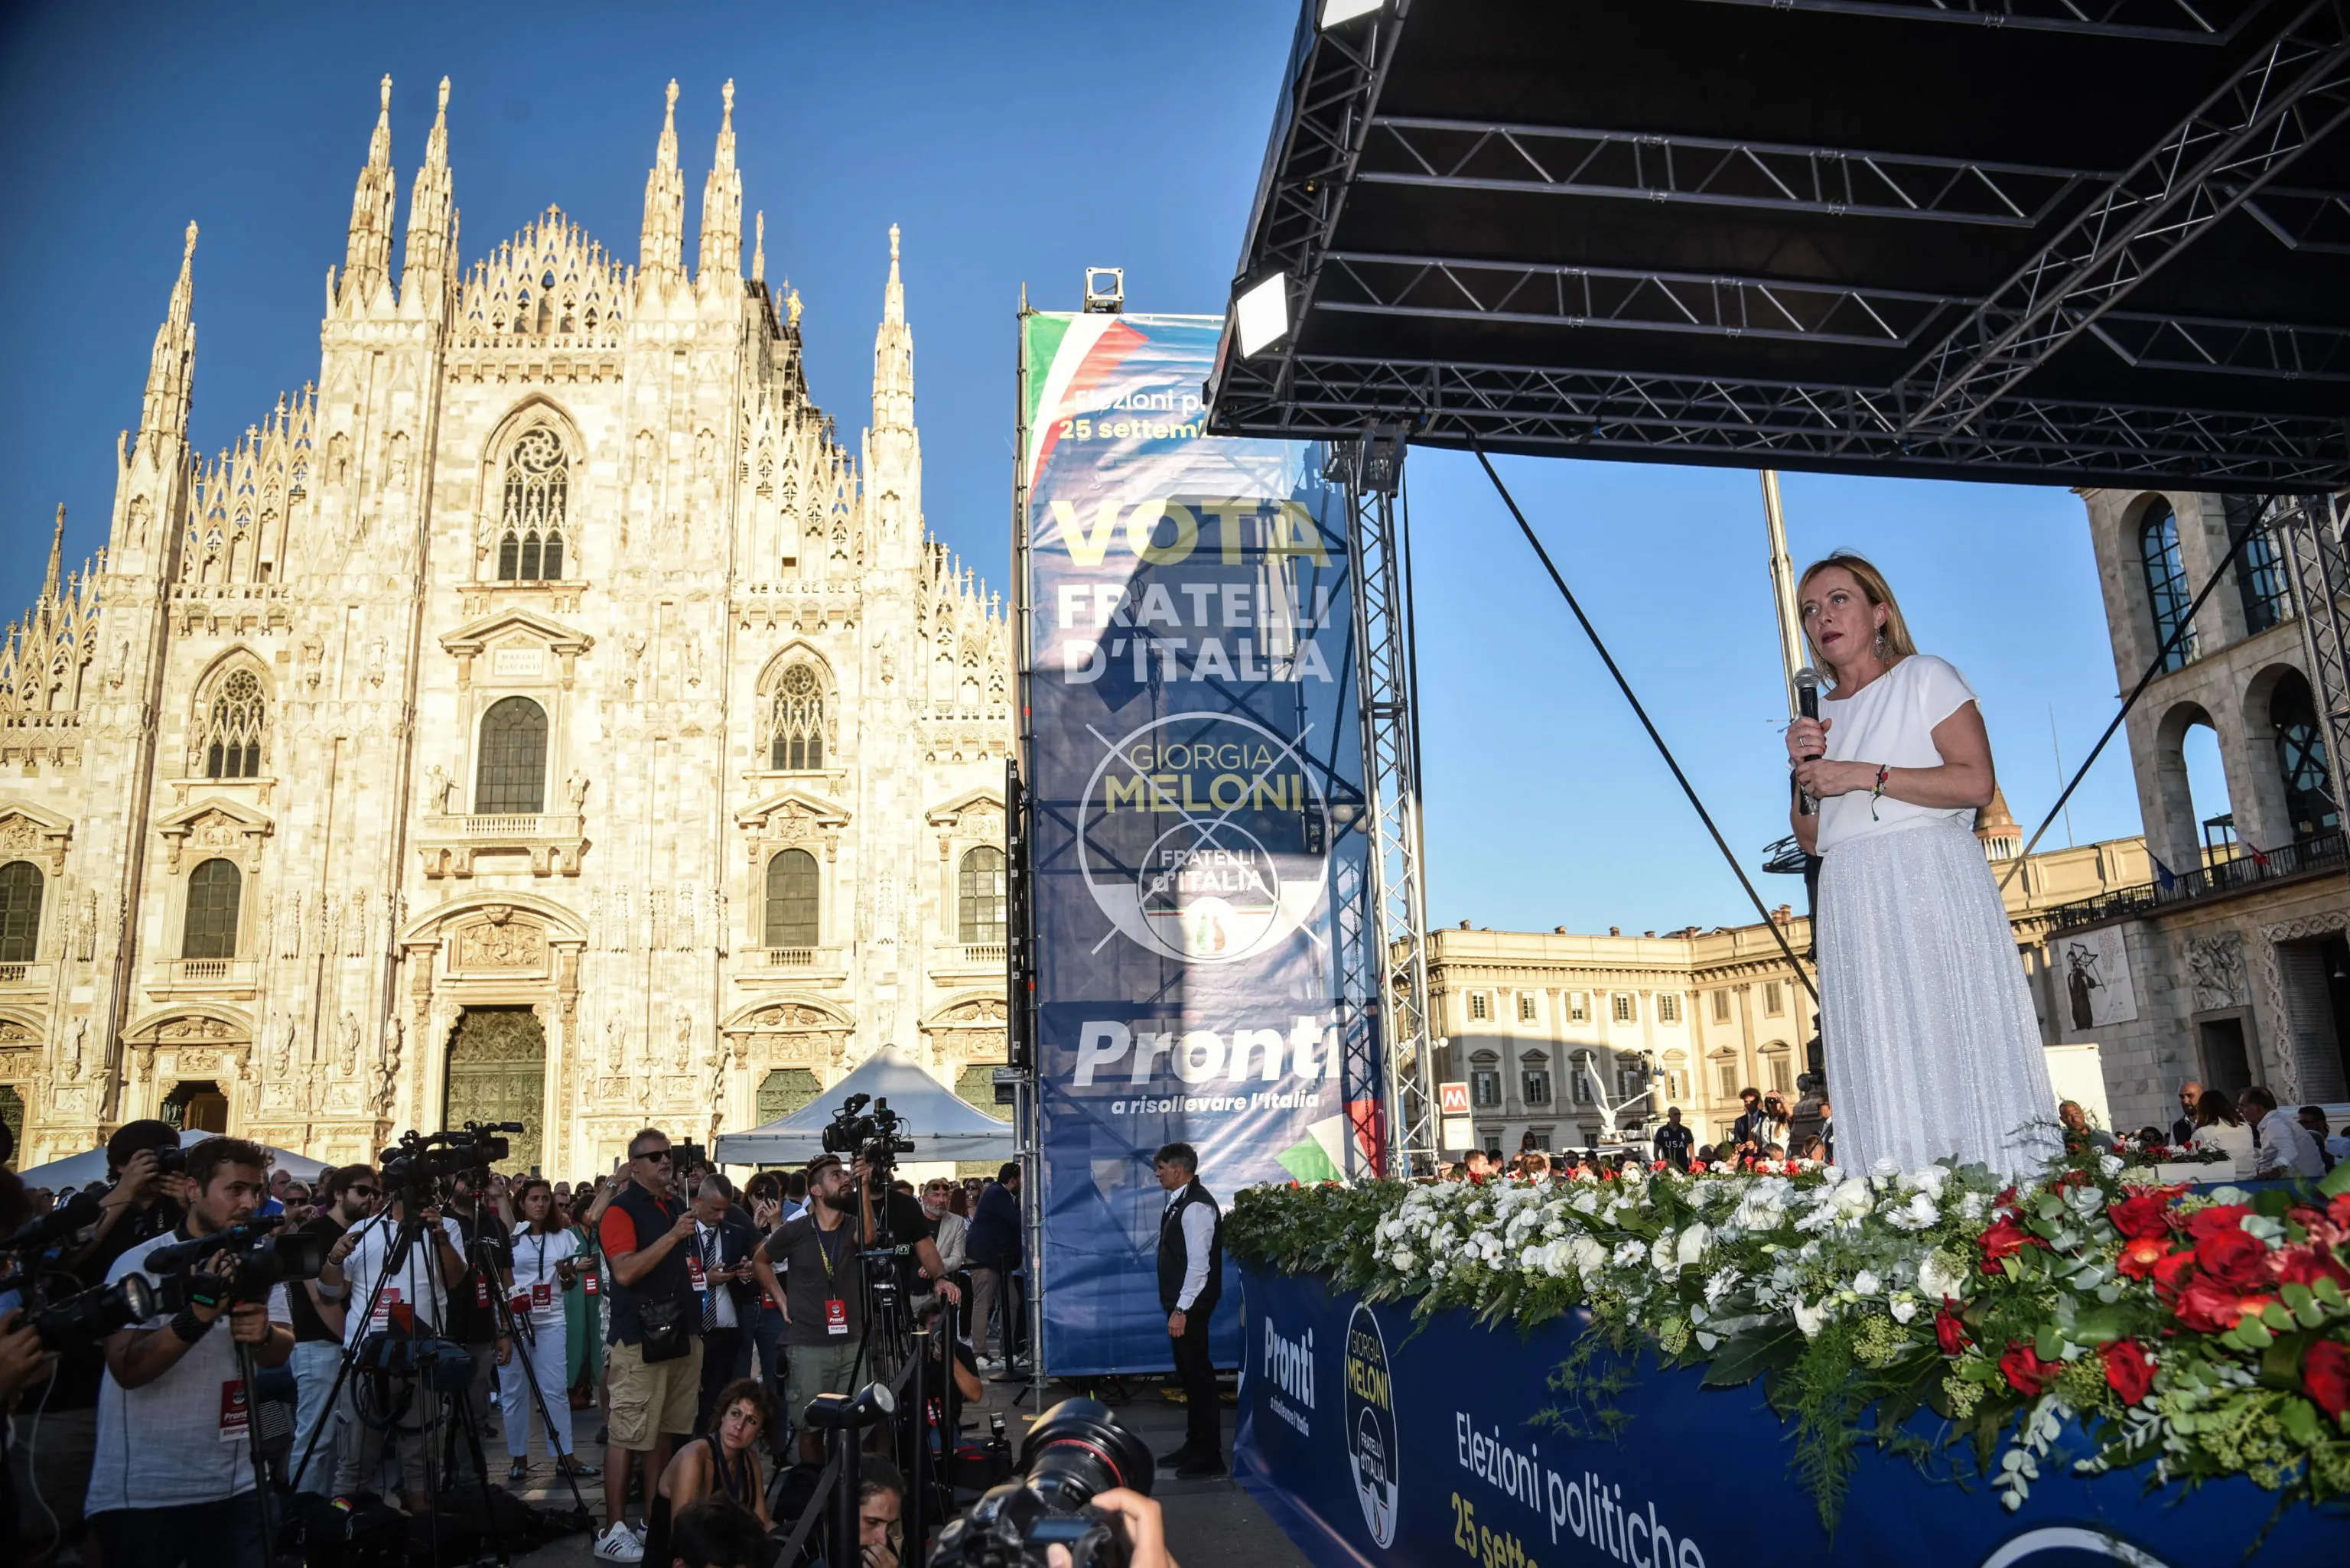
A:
(1262, 314)
(1336, 12)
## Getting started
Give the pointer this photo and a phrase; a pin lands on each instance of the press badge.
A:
(384, 1304)
(694, 1275)
(234, 1412)
(836, 1316)
(541, 1296)
(589, 1279)
(481, 1291)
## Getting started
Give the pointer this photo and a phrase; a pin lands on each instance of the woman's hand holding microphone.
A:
(1807, 744)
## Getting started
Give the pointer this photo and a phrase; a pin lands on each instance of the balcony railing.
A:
(198, 971)
(2326, 852)
(979, 955)
(15, 973)
(796, 958)
(505, 827)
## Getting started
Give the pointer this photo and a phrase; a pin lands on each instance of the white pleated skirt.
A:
(1931, 1044)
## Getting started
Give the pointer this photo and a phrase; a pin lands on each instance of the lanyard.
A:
(824, 1251)
(539, 1261)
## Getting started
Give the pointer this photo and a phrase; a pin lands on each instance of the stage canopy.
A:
(2072, 240)
(939, 1124)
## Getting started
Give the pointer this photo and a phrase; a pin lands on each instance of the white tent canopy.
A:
(939, 1124)
(80, 1170)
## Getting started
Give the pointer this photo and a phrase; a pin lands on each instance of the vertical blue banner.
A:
(1196, 776)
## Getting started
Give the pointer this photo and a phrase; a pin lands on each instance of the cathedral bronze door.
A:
(497, 1073)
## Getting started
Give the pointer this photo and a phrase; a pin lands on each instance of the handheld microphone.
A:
(1807, 701)
(81, 1210)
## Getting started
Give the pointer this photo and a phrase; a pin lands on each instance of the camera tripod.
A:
(419, 1374)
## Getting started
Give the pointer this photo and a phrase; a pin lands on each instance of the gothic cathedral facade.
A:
(546, 718)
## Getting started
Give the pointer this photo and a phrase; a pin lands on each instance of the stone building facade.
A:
(547, 716)
(2239, 968)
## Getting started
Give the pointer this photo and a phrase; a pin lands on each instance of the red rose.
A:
(2025, 1372)
(2129, 1372)
(2236, 1258)
(2325, 1376)
(2142, 1254)
(2217, 1217)
(1950, 1333)
(2171, 1274)
(2004, 1239)
(2306, 1266)
(2145, 1215)
(2209, 1306)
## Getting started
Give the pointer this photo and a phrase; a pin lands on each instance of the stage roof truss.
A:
(1659, 270)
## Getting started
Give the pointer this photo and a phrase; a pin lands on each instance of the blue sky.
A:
(1013, 142)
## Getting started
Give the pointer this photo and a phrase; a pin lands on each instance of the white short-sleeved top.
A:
(1890, 720)
(180, 1438)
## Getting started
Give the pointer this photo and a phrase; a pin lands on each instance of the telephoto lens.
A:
(1075, 1453)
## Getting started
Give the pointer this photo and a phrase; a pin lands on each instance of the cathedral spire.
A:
(168, 371)
(759, 249)
(893, 355)
(424, 270)
(57, 551)
(662, 247)
(721, 205)
(367, 254)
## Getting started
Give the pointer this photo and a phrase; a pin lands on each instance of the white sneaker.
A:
(620, 1543)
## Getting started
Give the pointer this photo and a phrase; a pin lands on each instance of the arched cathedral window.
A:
(2166, 581)
(214, 891)
(532, 514)
(231, 741)
(20, 912)
(980, 897)
(510, 778)
(791, 899)
(798, 728)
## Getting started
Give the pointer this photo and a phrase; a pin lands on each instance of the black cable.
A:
(2161, 658)
(1642, 714)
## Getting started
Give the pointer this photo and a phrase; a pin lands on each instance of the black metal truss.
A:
(2191, 21)
(1474, 155)
(1714, 303)
(2229, 348)
(1329, 117)
(1600, 413)
(2293, 90)
(2315, 220)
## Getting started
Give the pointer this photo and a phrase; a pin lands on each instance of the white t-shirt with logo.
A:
(180, 1438)
(534, 1278)
(410, 1286)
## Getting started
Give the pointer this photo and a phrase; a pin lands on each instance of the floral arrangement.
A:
(2092, 1319)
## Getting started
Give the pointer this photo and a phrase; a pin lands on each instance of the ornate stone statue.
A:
(74, 1052)
(615, 1047)
(577, 786)
(684, 1040)
(347, 1058)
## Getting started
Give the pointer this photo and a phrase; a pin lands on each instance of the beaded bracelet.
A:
(1878, 792)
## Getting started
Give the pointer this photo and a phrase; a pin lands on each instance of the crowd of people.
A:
(686, 1319)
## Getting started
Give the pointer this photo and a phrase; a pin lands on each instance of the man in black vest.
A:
(653, 1397)
(1190, 1281)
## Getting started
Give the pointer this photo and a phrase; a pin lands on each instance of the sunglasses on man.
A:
(652, 1154)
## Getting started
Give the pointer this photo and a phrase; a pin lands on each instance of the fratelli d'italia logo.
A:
(1371, 1448)
(1204, 836)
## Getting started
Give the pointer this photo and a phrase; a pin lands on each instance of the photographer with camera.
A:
(373, 1262)
(488, 1247)
(49, 1456)
(173, 1465)
(822, 1293)
(654, 1368)
(350, 1191)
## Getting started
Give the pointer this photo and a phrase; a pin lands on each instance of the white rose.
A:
(1587, 1202)
(1888, 1167)
(1931, 1180)
(2109, 1164)
(1405, 1262)
(1810, 1319)
(1587, 1255)
(1904, 1309)
(1660, 1252)
(1938, 1281)
(1865, 1282)
(1691, 1248)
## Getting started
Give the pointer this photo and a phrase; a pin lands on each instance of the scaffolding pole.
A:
(1371, 467)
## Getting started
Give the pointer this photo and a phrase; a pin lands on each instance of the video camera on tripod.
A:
(414, 1167)
(69, 1317)
(872, 1139)
(258, 1259)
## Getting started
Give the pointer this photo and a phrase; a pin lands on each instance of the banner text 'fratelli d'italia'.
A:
(1196, 773)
